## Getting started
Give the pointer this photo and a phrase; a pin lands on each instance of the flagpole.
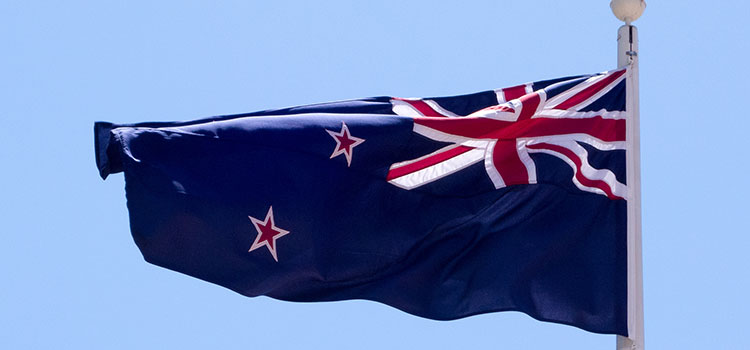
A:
(627, 55)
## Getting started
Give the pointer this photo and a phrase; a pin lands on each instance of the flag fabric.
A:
(508, 199)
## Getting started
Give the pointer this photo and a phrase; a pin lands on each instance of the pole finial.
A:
(627, 10)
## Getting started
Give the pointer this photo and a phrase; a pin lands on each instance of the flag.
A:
(447, 207)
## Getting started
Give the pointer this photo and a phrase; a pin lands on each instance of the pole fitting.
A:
(627, 10)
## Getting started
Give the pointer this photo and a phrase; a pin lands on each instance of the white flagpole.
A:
(627, 55)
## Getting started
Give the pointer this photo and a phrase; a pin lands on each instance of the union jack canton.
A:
(551, 121)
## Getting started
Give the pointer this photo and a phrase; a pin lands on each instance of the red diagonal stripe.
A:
(578, 173)
(406, 169)
(422, 107)
(589, 91)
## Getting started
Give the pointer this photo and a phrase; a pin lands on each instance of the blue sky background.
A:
(72, 278)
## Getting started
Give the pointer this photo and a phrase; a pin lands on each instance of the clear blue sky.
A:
(72, 278)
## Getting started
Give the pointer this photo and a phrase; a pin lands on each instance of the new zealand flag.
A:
(509, 199)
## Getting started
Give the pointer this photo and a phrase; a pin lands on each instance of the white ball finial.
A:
(627, 10)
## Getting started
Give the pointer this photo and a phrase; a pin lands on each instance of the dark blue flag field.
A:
(508, 199)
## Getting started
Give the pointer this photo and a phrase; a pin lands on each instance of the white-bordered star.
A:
(345, 143)
(268, 233)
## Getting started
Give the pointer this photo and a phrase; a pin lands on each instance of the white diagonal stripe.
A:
(439, 170)
(619, 189)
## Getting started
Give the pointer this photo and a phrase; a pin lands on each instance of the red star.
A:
(345, 143)
(268, 233)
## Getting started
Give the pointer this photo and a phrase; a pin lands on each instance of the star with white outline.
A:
(268, 233)
(345, 143)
